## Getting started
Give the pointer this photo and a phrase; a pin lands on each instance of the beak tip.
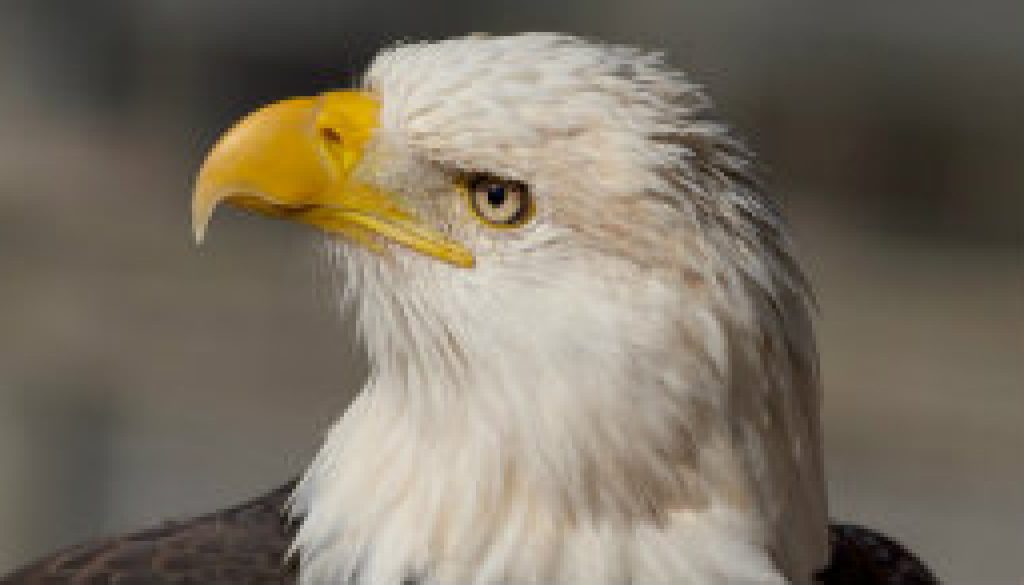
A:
(203, 206)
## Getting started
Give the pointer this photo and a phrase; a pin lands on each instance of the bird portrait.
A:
(591, 345)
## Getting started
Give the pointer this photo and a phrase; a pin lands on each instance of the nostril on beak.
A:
(331, 136)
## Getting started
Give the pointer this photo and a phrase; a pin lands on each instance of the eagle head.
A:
(591, 358)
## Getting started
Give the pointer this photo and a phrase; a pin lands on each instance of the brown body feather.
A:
(861, 556)
(244, 545)
(248, 544)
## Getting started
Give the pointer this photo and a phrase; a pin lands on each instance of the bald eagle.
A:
(592, 359)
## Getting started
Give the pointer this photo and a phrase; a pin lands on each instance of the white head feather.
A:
(623, 391)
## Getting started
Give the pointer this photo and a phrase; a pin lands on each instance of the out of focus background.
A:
(142, 378)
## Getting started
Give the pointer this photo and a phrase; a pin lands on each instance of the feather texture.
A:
(247, 545)
(625, 390)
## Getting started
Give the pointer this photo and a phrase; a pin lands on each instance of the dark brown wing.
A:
(245, 545)
(864, 557)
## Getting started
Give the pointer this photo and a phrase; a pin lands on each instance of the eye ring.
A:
(499, 203)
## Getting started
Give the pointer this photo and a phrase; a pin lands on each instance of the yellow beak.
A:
(295, 159)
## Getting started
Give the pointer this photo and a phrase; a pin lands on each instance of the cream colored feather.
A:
(623, 391)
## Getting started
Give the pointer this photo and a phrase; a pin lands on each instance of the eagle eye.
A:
(499, 202)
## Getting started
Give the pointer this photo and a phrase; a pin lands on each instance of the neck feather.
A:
(588, 444)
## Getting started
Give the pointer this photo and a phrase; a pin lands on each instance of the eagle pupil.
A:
(496, 195)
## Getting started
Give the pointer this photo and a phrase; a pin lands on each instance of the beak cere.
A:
(294, 160)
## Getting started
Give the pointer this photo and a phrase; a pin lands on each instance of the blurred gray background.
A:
(141, 378)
